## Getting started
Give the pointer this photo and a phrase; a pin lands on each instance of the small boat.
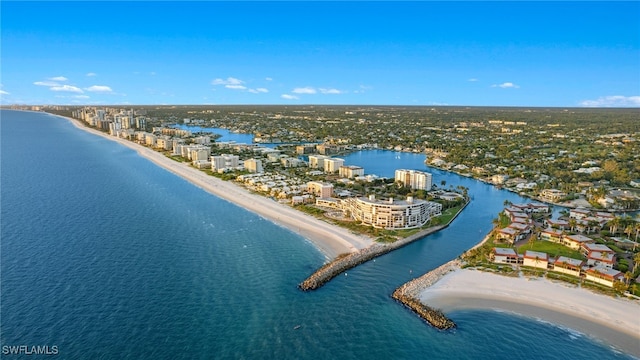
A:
(297, 327)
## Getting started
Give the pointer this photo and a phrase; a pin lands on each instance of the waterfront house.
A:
(552, 195)
(535, 259)
(508, 235)
(523, 228)
(604, 276)
(504, 256)
(509, 211)
(567, 265)
(579, 214)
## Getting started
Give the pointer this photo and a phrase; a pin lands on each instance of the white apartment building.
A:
(320, 189)
(332, 165)
(224, 162)
(317, 161)
(351, 171)
(390, 214)
(199, 154)
(414, 179)
(253, 165)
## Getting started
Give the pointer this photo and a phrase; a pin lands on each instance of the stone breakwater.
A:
(348, 261)
(408, 295)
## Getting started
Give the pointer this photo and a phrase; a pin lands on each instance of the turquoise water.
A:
(107, 256)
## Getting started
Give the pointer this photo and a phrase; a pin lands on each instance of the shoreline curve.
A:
(329, 239)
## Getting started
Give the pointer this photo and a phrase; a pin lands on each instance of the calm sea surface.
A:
(107, 256)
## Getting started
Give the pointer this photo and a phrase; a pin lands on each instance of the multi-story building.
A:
(414, 179)
(317, 161)
(332, 165)
(220, 163)
(253, 165)
(200, 154)
(320, 189)
(390, 214)
(351, 171)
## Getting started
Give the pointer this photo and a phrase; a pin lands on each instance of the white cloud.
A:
(506, 85)
(2, 92)
(289, 97)
(304, 90)
(91, 74)
(363, 89)
(67, 88)
(258, 90)
(81, 96)
(613, 101)
(99, 88)
(46, 83)
(472, 80)
(58, 78)
(268, 78)
(228, 81)
(330, 91)
(236, 87)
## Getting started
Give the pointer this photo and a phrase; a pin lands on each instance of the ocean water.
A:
(107, 256)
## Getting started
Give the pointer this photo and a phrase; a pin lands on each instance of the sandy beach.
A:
(329, 239)
(613, 320)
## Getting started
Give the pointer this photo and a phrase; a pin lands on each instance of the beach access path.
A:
(330, 239)
(614, 320)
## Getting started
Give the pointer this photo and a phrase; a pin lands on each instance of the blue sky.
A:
(378, 53)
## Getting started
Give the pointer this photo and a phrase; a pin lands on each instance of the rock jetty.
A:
(345, 262)
(408, 295)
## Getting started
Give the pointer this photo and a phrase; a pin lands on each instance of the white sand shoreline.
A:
(615, 321)
(330, 239)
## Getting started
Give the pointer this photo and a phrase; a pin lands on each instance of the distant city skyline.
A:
(546, 54)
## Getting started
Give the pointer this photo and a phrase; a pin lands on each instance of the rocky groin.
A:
(409, 293)
(348, 261)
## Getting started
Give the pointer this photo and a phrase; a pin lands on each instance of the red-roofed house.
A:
(575, 241)
(535, 259)
(508, 234)
(604, 276)
(504, 256)
(557, 224)
(552, 235)
(599, 255)
(568, 265)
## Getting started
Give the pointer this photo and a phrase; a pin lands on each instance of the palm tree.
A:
(507, 203)
(636, 261)
(628, 230)
(628, 276)
(613, 225)
(532, 239)
(637, 229)
(572, 224)
(591, 226)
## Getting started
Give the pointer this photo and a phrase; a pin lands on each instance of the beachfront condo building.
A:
(221, 163)
(332, 165)
(414, 179)
(317, 161)
(351, 171)
(253, 165)
(320, 189)
(392, 214)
